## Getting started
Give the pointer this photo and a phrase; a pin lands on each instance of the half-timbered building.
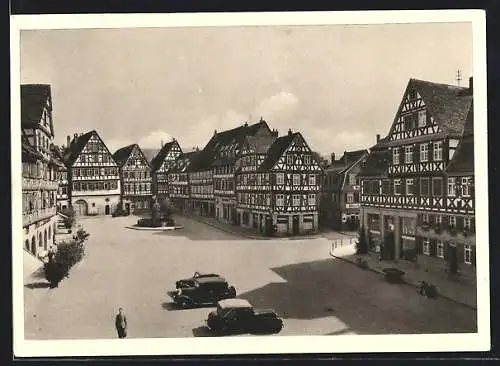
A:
(135, 178)
(212, 174)
(413, 201)
(39, 168)
(340, 194)
(94, 176)
(178, 178)
(279, 191)
(160, 166)
(63, 201)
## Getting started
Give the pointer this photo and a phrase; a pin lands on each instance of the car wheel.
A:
(184, 303)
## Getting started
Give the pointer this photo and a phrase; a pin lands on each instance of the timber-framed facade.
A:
(278, 184)
(418, 184)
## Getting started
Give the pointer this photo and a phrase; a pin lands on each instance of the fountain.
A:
(160, 217)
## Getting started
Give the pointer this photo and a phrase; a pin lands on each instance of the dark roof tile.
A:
(276, 150)
(121, 155)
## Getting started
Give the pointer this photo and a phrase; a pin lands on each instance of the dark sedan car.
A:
(237, 316)
(202, 291)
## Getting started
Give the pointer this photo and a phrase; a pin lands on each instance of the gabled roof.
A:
(76, 147)
(276, 150)
(183, 162)
(447, 104)
(121, 155)
(34, 99)
(220, 139)
(463, 159)
(160, 157)
(347, 160)
(376, 164)
(260, 144)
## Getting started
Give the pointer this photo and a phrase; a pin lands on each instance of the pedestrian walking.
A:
(121, 323)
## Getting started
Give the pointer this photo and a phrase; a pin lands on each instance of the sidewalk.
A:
(242, 231)
(459, 291)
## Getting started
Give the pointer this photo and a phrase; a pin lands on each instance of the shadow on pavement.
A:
(36, 285)
(361, 300)
(202, 331)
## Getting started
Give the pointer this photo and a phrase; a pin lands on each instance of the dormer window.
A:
(422, 118)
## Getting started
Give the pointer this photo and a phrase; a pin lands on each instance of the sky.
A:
(339, 85)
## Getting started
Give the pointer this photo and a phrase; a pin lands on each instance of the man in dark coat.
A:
(121, 323)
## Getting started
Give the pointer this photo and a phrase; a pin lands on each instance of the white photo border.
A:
(479, 341)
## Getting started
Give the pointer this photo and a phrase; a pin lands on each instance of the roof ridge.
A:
(439, 84)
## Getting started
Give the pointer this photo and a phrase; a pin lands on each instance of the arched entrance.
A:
(81, 208)
(33, 245)
(40, 242)
(27, 245)
(107, 210)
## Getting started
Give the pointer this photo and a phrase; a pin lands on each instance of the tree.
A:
(69, 217)
(362, 244)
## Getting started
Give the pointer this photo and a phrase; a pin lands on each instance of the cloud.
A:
(328, 140)
(154, 139)
(278, 106)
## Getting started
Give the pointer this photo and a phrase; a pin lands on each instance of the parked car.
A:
(202, 291)
(239, 316)
(188, 282)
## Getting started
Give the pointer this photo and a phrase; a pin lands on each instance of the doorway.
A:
(295, 224)
(107, 210)
(81, 208)
(127, 208)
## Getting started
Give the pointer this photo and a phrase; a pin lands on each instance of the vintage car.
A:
(188, 282)
(203, 290)
(238, 316)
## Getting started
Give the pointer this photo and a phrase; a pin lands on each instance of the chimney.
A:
(378, 138)
(246, 124)
(161, 144)
(75, 137)
(332, 156)
(215, 132)
(289, 132)
(68, 141)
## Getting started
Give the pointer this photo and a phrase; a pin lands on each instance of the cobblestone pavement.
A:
(315, 294)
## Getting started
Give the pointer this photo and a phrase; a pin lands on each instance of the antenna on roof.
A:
(459, 77)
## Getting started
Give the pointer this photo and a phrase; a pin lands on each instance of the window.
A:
(426, 246)
(468, 254)
(312, 179)
(395, 156)
(451, 187)
(307, 159)
(279, 200)
(425, 219)
(296, 179)
(422, 118)
(353, 179)
(289, 159)
(408, 154)
(386, 187)
(438, 219)
(440, 249)
(397, 186)
(467, 223)
(424, 152)
(410, 187)
(280, 178)
(438, 151)
(296, 200)
(452, 221)
(424, 186)
(466, 186)
(349, 197)
(311, 199)
(437, 187)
